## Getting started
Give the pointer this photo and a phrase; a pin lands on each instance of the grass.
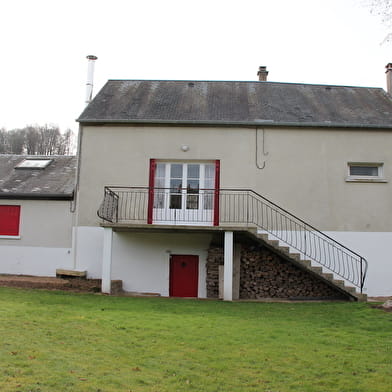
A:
(56, 341)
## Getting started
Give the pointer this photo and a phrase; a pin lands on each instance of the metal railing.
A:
(237, 207)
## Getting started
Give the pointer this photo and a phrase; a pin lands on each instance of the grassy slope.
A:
(54, 341)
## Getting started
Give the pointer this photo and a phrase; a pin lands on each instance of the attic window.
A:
(365, 172)
(34, 164)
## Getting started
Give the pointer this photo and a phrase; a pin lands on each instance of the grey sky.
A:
(45, 43)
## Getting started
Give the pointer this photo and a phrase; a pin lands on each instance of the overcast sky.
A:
(44, 44)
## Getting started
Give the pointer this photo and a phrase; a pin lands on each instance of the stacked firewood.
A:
(264, 274)
(214, 260)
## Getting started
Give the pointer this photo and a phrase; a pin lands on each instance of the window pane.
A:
(364, 171)
(209, 182)
(192, 202)
(193, 171)
(208, 200)
(175, 185)
(210, 171)
(176, 170)
(160, 170)
(175, 202)
(193, 186)
(159, 199)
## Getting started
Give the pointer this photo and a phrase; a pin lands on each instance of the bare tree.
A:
(383, 9)
(16, 141)
(36, 140)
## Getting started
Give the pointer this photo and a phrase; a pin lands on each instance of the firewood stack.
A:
(264, 274)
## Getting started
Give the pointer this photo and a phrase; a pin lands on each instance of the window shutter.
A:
(153, 166)
(9, 220)
(216, 193)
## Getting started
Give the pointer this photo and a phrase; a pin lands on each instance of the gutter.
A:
(256, 123)
(35, 196)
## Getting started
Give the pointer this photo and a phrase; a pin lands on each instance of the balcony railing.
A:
(234, 207)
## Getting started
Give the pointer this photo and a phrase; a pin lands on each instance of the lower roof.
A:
(21, 180)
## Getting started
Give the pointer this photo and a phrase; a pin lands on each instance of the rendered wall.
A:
(45, 239)
(305, 169)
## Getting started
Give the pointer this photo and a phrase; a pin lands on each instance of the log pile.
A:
(264, 274)
(214, 260)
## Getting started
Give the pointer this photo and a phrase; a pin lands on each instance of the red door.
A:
(184, 276)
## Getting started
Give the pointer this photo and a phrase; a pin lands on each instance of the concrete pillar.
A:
(107, 260)
(228, 267)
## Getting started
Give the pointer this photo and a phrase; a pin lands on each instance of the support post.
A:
(107, 260)
(228, 267)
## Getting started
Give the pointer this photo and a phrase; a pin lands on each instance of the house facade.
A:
(36, 214)
(194, 180)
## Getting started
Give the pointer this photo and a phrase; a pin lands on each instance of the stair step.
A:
(72, 273)
(306, 263)
(318, 270)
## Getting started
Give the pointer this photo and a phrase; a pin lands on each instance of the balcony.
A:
(228, 209)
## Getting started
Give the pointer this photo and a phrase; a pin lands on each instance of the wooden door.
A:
(184, 276)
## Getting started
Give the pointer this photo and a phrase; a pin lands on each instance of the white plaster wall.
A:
(33, 260)
(142, 260)
(88, 248)
(305, 169)
(376, 249)
(46, 223)
(44, 243)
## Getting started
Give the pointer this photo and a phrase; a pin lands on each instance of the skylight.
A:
(34, 164)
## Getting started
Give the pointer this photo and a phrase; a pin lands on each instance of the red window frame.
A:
(9, 220)
(153, 165)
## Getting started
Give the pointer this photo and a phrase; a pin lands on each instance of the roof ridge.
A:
(244, 81)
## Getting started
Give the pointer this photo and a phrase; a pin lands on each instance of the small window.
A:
(34, 164)
(365, 172)
(9, 221)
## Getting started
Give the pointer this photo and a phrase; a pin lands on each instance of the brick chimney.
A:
(263, 73)
(388, 71)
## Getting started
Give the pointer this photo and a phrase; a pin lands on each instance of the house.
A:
(36, 214)
(236, 189)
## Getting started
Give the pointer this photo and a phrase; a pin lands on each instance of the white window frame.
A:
(362, 178)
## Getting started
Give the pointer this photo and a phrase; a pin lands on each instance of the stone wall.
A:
(267, 275)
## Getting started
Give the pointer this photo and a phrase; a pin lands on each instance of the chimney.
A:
(90, 78)
(262, 74)
(389, 77)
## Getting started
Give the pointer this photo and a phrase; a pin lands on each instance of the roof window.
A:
(34, 164)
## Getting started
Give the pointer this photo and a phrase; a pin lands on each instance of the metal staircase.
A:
(296, 240)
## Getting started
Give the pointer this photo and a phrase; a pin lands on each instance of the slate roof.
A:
(56, 181)
(239, 103)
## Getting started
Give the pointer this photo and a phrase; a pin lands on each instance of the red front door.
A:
(184, 275)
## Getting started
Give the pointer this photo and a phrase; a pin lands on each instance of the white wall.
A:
(33, 260)
(142, 260)
(88, 248)
(44, 243)
(376, 249)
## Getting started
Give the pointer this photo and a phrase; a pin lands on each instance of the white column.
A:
(228, 267)
(107, 260)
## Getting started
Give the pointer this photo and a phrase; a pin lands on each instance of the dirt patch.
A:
(51, 283)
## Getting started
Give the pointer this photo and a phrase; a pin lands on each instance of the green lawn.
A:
(56, 341)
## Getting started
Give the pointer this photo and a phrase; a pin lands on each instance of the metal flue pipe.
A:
(90, 78)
